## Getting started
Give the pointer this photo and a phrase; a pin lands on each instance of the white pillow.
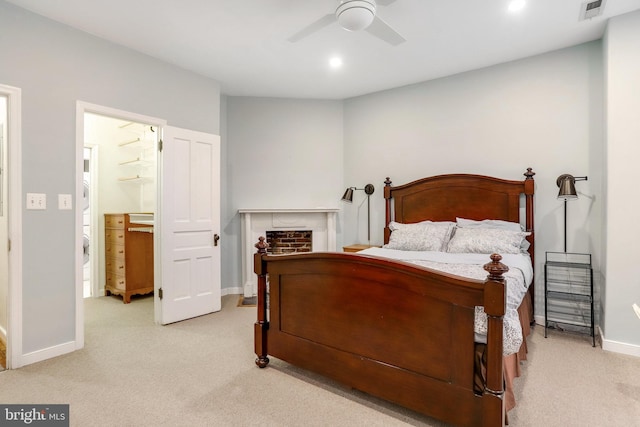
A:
(495, 223)
(489, 223)
(486, 241)
(421, 236)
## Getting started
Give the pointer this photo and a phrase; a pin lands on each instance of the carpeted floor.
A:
(201, 372)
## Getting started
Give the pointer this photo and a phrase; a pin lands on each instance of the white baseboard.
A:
(232, 291)
(46, 353)
(620, 347)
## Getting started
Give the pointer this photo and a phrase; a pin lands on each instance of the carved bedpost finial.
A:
(387, 182)
(529, 173)
(495, 268)
(262, 325)
(261, 245)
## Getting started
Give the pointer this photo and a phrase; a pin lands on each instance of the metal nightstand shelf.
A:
(568, 291)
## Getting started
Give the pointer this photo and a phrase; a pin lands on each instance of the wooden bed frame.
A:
(395, 330)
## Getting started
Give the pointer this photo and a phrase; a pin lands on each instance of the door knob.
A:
(215, 239)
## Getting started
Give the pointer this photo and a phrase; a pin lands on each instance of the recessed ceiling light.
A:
(335, 62)
(516, 5)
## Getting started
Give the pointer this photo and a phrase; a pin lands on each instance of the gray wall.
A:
(538, 112)
(55, 66)
(622, 276)
(281, 153)
(497, 121)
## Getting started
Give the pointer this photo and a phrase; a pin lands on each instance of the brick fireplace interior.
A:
(287, 242)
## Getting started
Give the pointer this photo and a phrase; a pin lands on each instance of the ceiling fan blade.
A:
(313, 27)
(385, 2)
(383, 31)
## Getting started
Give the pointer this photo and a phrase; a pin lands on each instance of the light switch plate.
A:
(36, 201)
(65, 201)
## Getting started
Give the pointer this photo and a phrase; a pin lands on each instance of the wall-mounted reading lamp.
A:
(567, 185)
(348, 197)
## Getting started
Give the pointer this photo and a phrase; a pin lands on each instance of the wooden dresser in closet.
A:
(128, 257)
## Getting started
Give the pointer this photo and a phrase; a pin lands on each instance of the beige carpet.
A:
(201, 372)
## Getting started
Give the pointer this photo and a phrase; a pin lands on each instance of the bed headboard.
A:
(445, 197)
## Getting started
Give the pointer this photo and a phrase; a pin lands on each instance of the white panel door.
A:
(189, 224)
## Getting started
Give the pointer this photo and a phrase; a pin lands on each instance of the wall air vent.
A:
(591, 9)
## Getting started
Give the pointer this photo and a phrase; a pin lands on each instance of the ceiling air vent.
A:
(591, 9)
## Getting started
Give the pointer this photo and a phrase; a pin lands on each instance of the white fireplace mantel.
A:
(256, 222)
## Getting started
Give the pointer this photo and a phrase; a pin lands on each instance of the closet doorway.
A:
(10, 226)
(181, 192)
(119, 178)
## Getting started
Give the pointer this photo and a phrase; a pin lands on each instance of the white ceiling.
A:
(243, 43)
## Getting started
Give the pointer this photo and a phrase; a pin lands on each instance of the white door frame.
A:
(95, 220)
(14, 297)
(82, 108)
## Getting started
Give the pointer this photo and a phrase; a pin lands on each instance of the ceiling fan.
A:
(355, 15)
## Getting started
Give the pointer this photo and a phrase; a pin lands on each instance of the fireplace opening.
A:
(288, 242)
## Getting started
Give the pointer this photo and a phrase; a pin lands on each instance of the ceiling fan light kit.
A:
(356, 15)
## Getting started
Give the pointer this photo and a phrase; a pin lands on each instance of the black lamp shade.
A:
(348, 195)
(567, 185)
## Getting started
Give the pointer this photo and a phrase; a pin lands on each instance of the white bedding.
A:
(518, 277)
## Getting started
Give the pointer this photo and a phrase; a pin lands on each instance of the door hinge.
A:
(160, 145)
(9, 245)
(160, 293)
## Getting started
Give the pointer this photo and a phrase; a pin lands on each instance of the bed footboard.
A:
(397, 331)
